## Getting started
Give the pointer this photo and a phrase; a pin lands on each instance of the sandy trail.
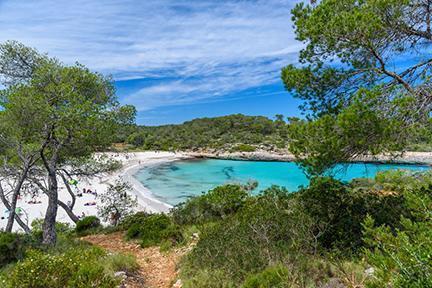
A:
(157, 270)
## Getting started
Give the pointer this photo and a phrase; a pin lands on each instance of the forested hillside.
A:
(226, 132)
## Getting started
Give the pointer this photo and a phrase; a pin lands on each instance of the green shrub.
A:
(208, 279)
(159, 227)
(11, 248)
(218, 203)
(340, 209)
(134, 231)
(121, 262)
(265, 231)
(153, 229)
(165, 246)
(87, 223)
(90, 275)
(137, 218)
(73, 268)
(244, 148)
(274, 277)
(402, 259)
(61, 228)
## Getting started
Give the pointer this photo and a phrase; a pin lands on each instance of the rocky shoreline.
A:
(414, 158)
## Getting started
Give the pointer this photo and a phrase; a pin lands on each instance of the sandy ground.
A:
(156, 269)
(131, 164)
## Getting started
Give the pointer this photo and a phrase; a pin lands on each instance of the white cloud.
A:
(212, 47)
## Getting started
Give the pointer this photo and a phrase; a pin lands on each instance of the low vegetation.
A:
(71, 263)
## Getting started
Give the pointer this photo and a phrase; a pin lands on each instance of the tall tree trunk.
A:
(65, 207)
(49, 229)
(8, 206)
(11, 217)
(15, 194)
(68, 211)
(69, 189)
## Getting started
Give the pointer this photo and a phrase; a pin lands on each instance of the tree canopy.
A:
(63, 112)
(366, 68)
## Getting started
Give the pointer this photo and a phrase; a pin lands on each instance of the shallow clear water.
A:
(175, 182)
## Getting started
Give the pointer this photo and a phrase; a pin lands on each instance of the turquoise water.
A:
(175, 182)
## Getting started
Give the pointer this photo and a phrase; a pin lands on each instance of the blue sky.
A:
(173, 60)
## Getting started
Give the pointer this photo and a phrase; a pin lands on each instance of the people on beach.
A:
(90, 203)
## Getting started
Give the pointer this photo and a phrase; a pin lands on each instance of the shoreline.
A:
(408, 158)
(147, 200)
(151, 203)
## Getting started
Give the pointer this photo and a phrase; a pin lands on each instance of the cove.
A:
(175, 182)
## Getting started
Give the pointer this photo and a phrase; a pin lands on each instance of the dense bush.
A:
(262, 232)
(209, 279)
(90, 275)
(216, 204)
(73, 268)
(275, 277)
(137, 218)
(86, 224)
(243, 148)
(339, 210)
(325, 218)
(402, 259)
(11, 248)
(154, 229)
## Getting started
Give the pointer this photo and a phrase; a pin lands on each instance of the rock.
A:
(120, 274)
(369, 271)
(178, 284)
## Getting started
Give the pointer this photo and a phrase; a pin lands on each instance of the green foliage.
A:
(116, 203)
(275, 277)
(136, 218)
(325, 219)
(243, 148)
(155, 228)
(73, 268)
(339, 209)
(362, 105)
(61, 228)
(57, 112)
(262, 232)
(216, 204)
(90, 275)
(402, 259)
(365, 36)
(218, 133)
(360, 128)
(11, 248)
(208, 279)
(121, 262)
(87, 224)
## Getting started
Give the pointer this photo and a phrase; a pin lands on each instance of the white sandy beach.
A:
(131, 163)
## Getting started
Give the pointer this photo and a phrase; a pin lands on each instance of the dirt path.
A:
(157, 270)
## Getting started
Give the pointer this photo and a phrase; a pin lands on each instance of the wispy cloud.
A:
(210, 48)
